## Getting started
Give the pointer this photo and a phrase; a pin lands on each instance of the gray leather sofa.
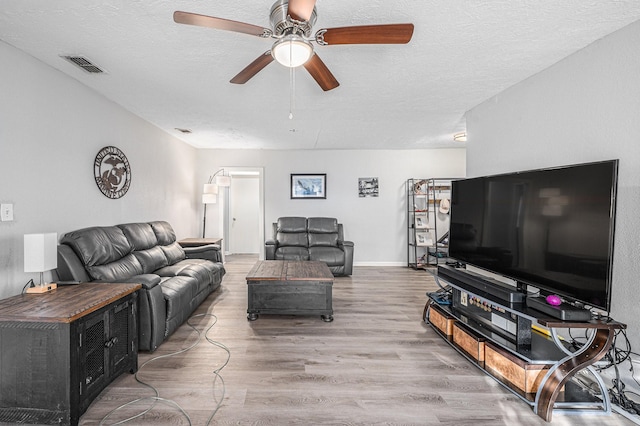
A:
(174, 280)
(314, 238)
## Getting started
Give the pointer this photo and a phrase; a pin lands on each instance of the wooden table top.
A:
(64, 304)
(289, 270)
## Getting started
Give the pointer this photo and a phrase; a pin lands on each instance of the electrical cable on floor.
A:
(157, 399)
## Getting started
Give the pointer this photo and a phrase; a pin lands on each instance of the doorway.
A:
(243, 217)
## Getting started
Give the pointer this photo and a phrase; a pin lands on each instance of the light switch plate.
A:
(6, 212)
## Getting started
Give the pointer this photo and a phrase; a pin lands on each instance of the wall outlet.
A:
(6, 212)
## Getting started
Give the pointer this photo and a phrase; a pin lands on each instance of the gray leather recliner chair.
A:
(314, 238)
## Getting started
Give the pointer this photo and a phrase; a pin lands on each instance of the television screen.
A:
(552, 228)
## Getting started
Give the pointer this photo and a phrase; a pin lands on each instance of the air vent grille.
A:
(84, 64)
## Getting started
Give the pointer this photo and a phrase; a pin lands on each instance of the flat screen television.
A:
(551, 228)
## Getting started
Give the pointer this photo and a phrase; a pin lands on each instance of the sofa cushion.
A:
(323, 231)
(203, 271)
(293, 239)
(164, 232)
(98, 245)
(322, 225)
(151, 259)
(292, 253)
(174, 253)
(119, 270)
(292, 224)
(140, 235)
(332, 256)
(327, 240)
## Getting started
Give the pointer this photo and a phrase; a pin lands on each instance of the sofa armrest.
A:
(270, 247)
(152, 311)
(208, 252)
(347, 246)
(148, 281)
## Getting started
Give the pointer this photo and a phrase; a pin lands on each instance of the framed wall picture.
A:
(368, 187)
(308, 186)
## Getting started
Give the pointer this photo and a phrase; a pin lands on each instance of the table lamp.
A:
(40, 255)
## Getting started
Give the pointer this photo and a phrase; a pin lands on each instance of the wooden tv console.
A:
(485, 330)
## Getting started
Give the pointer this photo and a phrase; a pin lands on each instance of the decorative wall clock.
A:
(112, 172)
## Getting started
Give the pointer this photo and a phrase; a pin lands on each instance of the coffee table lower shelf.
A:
(290, 288)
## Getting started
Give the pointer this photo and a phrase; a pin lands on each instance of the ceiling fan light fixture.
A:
(292, 51)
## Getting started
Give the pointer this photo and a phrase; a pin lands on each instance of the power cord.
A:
(615, 357)
(157, 399)
(29, 284)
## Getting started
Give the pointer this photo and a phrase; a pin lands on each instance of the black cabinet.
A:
(59, 350)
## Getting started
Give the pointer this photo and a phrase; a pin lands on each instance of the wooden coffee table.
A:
(290, 288)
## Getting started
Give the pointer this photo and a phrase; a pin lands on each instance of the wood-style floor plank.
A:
(376, 363)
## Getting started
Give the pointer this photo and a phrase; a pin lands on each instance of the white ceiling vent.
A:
(83, 63)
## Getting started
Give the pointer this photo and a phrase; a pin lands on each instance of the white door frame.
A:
(223, 198)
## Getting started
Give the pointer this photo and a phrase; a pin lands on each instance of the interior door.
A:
(245, 215)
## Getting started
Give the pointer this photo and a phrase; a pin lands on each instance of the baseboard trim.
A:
(379, 264)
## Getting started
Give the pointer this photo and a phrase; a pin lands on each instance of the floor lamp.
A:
(210, 192)
(209, 196)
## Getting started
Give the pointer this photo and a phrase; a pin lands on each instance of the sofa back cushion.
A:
(119, 270)
(292, 231)
(145, 245)
(167, 241)
(164, 232)
(151, 259)
(140, 235)
(174, 253)
(323, 231)
(98, 245)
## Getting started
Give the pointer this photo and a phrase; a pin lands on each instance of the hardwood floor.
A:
(376, 363)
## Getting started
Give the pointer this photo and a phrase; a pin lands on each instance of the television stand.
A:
(564, 311)
(540, 373)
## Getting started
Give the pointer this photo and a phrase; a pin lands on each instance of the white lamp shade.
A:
(210, 188)
(40, 252)
(209, 198)
(223, 180)
(292, 51)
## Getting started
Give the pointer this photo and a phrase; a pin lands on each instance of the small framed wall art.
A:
(308, 185)
(368, 187)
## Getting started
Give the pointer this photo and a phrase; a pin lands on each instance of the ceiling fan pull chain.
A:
(292, 82)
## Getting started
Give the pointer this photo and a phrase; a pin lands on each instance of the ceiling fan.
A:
(291, 22)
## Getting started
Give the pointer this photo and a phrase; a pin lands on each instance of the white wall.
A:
(584, 108)
(377, 226)
(51, 128)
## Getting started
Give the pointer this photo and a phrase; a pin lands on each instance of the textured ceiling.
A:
(390, 96)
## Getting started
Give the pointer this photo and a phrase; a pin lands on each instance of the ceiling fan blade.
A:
(253, 68)
(220, 24)
(301, 10)
(366, 34)
(321, 73)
